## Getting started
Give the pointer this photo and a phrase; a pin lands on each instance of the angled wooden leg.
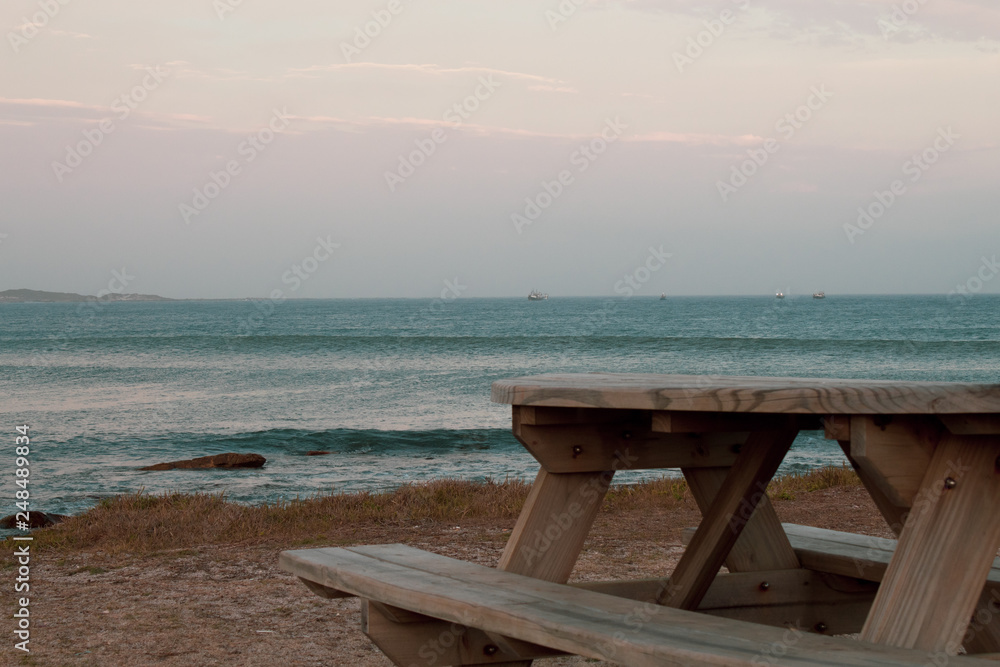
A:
(554, 523)
(944, 552)
(894, 514)
(549, 533)
(763, 544)
(727, 517)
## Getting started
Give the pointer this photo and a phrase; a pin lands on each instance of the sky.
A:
(394, 148)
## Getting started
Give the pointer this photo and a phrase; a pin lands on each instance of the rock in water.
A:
(229, 460)
(316, 452)
(36, 520)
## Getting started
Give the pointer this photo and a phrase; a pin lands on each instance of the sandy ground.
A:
(230, 605)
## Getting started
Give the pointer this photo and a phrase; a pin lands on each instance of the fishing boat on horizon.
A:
(535, 295)
(819, 295)
(779, 295)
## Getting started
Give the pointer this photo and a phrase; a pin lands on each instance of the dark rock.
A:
(36, 520)
(317, 452)
(229, 460)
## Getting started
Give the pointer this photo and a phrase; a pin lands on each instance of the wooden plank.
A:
(971, 424)
(848, 554)
(708, 422)
(819, 396)
(945, 550)
(894, 513)
(324, 591)
(762, 545)
(430, 641)
(894, 453)
(800, 598)
(555, 520)
(837, 427)
(543, 416)
(599, 447)
(729, 513)
(597, 626)
(866, 557)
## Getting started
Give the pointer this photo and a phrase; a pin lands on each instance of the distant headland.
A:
(38, 296)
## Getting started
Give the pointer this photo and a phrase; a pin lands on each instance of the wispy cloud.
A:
(421, 69)
(697, 138)
(850, 20)
(545, 88)
(31, 111)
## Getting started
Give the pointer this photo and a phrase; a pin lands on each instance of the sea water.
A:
(398, 390)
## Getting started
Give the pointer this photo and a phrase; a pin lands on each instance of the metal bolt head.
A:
(626, 435)
(490, 649)
(764, 585)
(577, 449)
(949, 483)
(820, 627)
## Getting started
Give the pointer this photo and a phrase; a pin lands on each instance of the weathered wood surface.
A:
(577, 621)
(800, 598)
(552, 526)
(945, 550)
(727, 516)
(762, 545)
(430, 641)
(819, 396)
(579, 448)
(894, 452)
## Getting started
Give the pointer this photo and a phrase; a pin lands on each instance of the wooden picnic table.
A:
(927, 453)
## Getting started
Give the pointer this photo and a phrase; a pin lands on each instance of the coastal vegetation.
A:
(141, 523)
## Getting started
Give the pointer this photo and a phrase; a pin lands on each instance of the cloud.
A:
(698, 139)
(34, 110)
(851, 20)
(424, 69)
(545, 88)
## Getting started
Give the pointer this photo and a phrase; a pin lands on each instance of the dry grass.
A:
(143, 524)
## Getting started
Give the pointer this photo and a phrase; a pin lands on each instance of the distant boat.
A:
(819, 295)
(535, 295)
(780, 295)
(663, 296)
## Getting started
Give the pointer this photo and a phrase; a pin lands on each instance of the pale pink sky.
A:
(288, 127)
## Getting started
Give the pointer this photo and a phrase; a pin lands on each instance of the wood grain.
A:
(894, 452)
(555, 520)
(818, 396)
(945, 550)
(597, 626)
(726, 518)
(762, 545)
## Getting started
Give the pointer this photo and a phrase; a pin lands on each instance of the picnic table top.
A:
(720, 393)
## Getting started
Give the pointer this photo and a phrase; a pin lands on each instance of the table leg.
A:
(554, 523)
(556, 518)
(944, 552)
(763, 544)
(728, 515)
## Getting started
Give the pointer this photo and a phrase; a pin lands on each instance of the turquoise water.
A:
(399, 389)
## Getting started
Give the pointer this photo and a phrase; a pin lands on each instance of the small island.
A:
(39, 296)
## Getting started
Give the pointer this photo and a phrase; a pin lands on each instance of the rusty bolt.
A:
(764, 585)
(950, 483)
(577, 450)
(490, 649)
(820, 627)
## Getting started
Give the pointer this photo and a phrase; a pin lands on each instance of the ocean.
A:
(398, 389)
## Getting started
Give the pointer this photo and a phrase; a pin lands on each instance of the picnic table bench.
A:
(928, 454)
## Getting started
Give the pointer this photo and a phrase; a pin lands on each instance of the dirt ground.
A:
(230, 605)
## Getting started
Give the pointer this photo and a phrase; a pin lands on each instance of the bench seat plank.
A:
(573, 620)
